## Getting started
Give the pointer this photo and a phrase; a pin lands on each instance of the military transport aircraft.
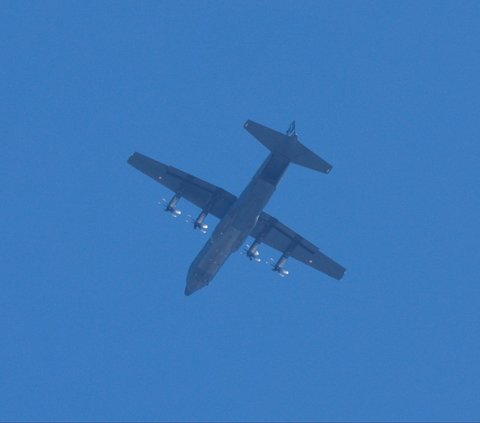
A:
(243, 216)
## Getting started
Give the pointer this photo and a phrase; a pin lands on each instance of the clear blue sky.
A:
(94, 323)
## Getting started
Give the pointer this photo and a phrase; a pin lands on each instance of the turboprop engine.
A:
(199, 222)
(171, 206)
(251, 251)
(279, 266)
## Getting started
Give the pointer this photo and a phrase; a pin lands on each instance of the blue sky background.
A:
(93, 320)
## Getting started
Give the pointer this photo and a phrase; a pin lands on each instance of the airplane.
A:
(243, 216)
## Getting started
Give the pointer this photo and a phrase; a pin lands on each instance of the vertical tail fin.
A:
(291, 129)
(287, 145)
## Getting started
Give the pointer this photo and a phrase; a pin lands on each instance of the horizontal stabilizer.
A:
(288, 146)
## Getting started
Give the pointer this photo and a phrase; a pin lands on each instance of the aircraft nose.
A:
(196, 280)
(189, 290)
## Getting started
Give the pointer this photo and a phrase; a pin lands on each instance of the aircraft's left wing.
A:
(208, 197)
(270, 231)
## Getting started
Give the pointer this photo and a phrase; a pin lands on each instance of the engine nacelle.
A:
(171, 207)
(199, 222)
(203, 227)
(278, 267)
(253, 253)
(282, 272)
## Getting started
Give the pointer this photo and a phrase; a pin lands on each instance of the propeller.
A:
(244, 250)
(270, 261)
(203, 228)
(197, 224)
(278, 266)
(169, 207)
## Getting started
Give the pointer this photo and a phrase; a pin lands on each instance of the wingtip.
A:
(132, 158)
(341, 275)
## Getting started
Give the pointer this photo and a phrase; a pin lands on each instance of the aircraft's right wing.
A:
(272, 232)
(211, 198)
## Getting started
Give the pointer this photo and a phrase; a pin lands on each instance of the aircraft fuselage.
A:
(234, 228)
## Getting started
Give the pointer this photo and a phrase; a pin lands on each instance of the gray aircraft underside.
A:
(244, 216)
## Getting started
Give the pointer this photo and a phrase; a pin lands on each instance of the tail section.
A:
(287, 145)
